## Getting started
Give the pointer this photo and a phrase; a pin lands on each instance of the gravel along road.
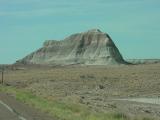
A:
(143, 100)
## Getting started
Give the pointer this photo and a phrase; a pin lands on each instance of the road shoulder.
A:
(22, 109)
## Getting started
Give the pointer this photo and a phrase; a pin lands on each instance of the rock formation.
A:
(90, 48)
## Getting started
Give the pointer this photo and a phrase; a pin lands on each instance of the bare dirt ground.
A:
(97, 87)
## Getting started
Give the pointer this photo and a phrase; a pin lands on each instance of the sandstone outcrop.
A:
(90, 48)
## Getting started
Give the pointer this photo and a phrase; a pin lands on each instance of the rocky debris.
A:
(89, 48)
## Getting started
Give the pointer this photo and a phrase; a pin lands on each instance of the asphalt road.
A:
(11, 109)
(7, 113)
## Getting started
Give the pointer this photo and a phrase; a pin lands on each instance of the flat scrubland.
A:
(87, 92)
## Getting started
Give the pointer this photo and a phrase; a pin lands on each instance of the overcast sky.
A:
(134, 25)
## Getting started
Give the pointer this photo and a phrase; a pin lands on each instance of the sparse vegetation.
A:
(62, 110)
(88, 89)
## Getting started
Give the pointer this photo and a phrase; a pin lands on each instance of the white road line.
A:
(11, 110)
(21, 118)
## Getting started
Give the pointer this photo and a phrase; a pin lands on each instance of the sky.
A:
(134, 25)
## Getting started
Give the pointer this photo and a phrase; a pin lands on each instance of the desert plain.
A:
(130, 90)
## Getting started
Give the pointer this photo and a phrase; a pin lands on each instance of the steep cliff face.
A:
(91, 48)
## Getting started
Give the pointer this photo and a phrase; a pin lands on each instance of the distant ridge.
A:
(92, 47)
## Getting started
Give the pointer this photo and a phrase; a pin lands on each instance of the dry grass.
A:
(120, 81)
(64, 110)
(90, 85)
